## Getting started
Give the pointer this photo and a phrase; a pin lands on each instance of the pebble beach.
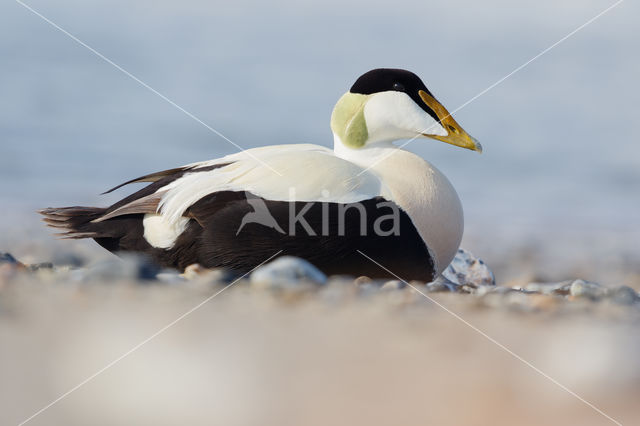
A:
(286, 344)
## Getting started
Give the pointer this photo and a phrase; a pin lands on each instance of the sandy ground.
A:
(341, 353)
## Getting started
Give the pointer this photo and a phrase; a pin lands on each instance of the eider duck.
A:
(366, 196)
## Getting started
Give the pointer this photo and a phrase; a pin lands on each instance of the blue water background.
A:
(561, 136)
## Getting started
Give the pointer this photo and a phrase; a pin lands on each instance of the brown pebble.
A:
(362, 280)
(194, 271)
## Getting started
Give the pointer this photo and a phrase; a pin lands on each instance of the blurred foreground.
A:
(345, 352)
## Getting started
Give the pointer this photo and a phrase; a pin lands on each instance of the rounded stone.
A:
(591, 290)
(362, 280)
(286, 271)
(194, 271)
(624, 295)
(393, 285)
(466, 269)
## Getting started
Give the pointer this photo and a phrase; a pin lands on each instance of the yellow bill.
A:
(456, 134)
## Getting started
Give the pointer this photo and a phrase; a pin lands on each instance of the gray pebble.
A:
(287, 271)
(624, 295)
(591, 290)
(127, 267)
(468, 269)
(8, 258)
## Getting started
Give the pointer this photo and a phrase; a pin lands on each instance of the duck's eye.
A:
(398, 87)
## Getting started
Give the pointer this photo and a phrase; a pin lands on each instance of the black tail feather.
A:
(74, 222)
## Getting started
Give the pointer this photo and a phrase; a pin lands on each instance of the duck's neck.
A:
(365, 157)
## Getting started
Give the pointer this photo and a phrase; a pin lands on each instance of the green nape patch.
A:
(347, 120)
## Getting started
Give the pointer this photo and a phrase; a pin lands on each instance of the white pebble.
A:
(286, 271)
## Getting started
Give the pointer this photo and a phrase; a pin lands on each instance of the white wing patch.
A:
(307, 173)
(161, 233)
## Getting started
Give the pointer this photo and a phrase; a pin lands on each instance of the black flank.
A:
(210, 238)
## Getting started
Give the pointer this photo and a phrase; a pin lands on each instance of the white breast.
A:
(423, 192)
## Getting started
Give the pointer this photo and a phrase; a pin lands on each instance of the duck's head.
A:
(386, 105)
